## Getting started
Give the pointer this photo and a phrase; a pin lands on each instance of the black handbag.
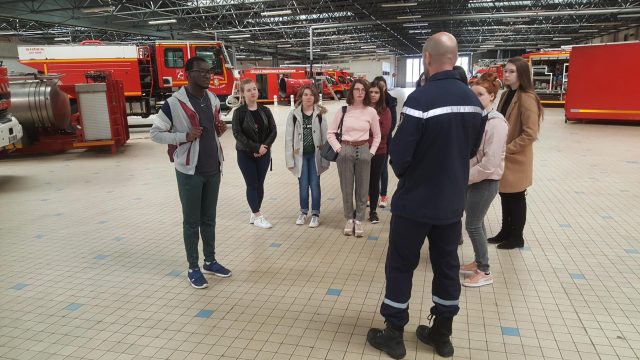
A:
(327, 152)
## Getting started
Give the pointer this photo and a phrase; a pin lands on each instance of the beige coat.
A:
(524, 124)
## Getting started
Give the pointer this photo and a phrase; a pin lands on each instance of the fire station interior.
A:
(92, 258)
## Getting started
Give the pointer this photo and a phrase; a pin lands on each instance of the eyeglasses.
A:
(204, 72)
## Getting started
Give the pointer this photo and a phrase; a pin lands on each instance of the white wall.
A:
(371, 68)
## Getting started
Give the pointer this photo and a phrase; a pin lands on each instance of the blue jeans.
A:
(479, 198)
(309, 178)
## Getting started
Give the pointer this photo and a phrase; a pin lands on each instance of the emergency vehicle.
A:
(150, 72)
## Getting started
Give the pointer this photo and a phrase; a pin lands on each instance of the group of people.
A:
(452, 153)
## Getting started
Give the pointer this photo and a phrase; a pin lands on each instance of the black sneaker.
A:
(388, 340)
(373, 218)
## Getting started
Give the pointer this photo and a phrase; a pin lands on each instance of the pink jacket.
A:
(357, 122)
(489, 160)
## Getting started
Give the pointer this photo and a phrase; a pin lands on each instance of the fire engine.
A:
(276, 82)
(494, 68)
(610, 92)
(150, 72)
(550, 70)
(10, 128)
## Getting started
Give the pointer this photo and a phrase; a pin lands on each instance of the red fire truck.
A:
(549, 71)
(610, 92)
(150, 72)
(496, 68)
(10, 128)
(279, 82)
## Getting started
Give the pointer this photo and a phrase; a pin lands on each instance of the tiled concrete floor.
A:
(92, 263)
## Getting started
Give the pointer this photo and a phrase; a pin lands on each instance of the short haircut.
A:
(191, 62)
(316, 96)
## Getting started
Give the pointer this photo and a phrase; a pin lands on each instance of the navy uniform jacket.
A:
(440, 129)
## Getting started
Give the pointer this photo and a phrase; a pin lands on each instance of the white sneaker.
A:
(348, 228)
(315, 222)
(301, 219)
(252, 218)
(262, 223)
(383, 202)
(359, 231)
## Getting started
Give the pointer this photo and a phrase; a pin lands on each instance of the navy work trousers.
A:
(406, 238)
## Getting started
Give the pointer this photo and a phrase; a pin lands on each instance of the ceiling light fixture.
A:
(561, 38)
(409, 17)
(61, 39)
(399, 4)
(97, 9)
(166, 21)
(275, 13)
(368, 47)
(416, 24)
(239, 36)
(333, 54)
(628, 15)
(284, 46)
(587, 31)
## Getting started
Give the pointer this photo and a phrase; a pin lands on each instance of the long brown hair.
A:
(526, 83)
(244, 83)
(381, 105)
(367, 99)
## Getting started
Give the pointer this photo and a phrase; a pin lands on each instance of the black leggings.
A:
(514, 213)
(254, 170)
(377, 164)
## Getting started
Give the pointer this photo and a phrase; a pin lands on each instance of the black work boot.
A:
(516, 240)
(437, 335)
(388, 340)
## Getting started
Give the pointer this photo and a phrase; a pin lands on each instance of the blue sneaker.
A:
(196, 279)
(216, 269)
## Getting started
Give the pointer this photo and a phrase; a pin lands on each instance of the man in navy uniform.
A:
(441, 128)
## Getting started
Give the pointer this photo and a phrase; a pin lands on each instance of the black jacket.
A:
(440, 129)
(246, 132)
(392, 103)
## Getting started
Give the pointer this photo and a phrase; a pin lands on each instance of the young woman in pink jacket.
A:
(486, 169)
